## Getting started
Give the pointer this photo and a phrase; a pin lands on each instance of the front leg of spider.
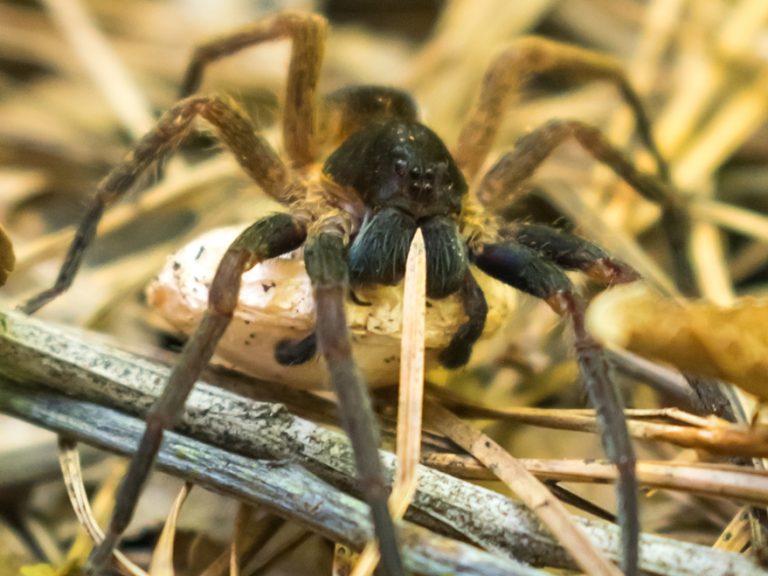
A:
(266, 239)
(531, 271)
(269, 237)
(498, 186)
(403, 177)
(573, 253)
(324, 256)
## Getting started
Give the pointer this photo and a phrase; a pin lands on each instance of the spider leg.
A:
(307, 33)
(252, 151)
(295, 352)
(533, 55)
(269, 237)
(525, 269)
(516, 166)
(459, 349)
(327, 268)
(573, 253)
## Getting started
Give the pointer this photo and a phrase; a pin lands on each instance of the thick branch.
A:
(78, 367)
(285, 487)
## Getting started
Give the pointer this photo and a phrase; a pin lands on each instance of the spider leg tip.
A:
(611, 271)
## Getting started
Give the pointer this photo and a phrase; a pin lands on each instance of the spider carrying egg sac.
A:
(276, 304)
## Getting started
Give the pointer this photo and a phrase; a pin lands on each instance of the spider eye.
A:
(400, 166)
(415, 172)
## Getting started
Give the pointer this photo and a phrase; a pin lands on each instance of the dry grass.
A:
(80, 81)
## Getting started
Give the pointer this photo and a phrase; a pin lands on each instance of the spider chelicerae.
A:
(387, 176)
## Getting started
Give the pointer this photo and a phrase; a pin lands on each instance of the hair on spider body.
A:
(399, 164)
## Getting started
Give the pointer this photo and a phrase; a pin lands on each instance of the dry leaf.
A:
(162, 558)
(38, 570)
(7, 257)
(729, 343)
(69, 461)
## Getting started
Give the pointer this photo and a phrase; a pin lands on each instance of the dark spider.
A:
(387, 176)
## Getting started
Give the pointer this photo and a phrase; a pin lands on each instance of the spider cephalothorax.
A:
(406, 179)
(388, 176)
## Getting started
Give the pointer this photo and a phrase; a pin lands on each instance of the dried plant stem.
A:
(285, 487)
(746, 222)
(535, 495)
(268, 453)
(717, 436)
(103, 65)
(69, 461)
(410, 396)
(734, 121)
(162, 556)
(659, 24)
(727, 481)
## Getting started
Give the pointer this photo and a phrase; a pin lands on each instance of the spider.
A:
(355, 214)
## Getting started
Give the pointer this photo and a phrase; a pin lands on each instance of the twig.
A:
(714, 435)
(665, 380)
(511, 471)
(38, 352)
(729, 481)
(285, 487)
(726, 440)
(410, 395)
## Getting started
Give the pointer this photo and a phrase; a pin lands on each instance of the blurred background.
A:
(82, 80)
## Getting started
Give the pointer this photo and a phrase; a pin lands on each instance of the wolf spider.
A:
(387, 176)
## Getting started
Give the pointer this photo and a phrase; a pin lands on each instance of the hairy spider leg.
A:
(459, 349)
(527, 270)
(515, 167)
(504, 179)
(307, 34)
(252, 151)
(271, 236)
(572, 253)
(534, 55)
(447, 273)
(324, 256)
